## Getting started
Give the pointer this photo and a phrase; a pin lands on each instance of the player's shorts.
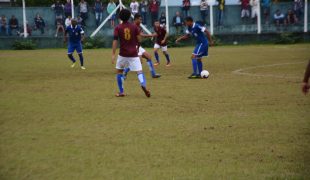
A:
(201, 50)
(133, 63)
(163, 48)
(141, 51)
(75, 46)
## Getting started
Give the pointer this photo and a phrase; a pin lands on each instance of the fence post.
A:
(72, 9)
(306, 16)
(25, 19)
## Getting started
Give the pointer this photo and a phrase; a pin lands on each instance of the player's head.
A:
(73, 22)
(157, 24)
(189, 21)
(124, 15)
(137, 19)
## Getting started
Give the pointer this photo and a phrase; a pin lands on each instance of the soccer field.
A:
(249, 120)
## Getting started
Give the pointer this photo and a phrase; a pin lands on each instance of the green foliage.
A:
(94, 43)
(24, 45)
(171, 42)
(147, 43)
(216, 40)
(288, 38)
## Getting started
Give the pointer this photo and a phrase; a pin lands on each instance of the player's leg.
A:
(156, 47)
(195, 62)
(120, 65)
(149, 62)
(199, 65)
(135, 65)
(70, 54)
(165, 52)
(79, 50)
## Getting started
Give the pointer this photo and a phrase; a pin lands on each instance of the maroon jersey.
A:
(127, 34)
(140, 31)
(161, 33)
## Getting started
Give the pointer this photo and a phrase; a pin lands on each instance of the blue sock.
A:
(200, 66)
(194, 63)
(71, 58)
(150, 64)
(167, 58)
(119, 78)
(156, 56)
(81, 59)
(126, 70)
(142, 79)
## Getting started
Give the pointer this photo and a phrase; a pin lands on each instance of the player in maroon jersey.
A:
(129, 36)
(161, 42)
(142, 53)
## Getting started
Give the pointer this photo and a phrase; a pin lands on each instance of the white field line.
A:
(241, 71)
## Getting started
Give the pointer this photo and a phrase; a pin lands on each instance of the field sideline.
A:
(249, 120)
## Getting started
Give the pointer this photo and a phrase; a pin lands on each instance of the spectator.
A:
(221, 8)
(186, 5)
(68, 9)
(79, 20)
(111, 7)
(154, 8)
(39, 23)
(298, 6)
(254, 9)
(203, 10)
(143, 10)
(68, 21)
(134, 6)
(245, 10)
(178, 23)
(98, 8)
(58, 9)
(266, 10)
(83, 9)
(28, 29)
(278, 18)
(4, 25)
(291, 17)
(59, 26)
(13, 25)
(162, 19)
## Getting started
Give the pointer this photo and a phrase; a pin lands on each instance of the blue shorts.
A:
(201, 50)
(75, 46)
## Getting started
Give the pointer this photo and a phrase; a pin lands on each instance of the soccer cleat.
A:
(156, 76)
(73, 65)
(194, 76)
(156, 64)
(168, 64)
(83, 68)
(120, 95)
(146, 92)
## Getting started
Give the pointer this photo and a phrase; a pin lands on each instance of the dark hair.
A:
(124, 15)
(189, 19)
(137, 16)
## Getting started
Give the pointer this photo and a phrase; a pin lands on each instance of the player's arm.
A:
(305, 83)
(209, 37)
(114, 45)
(143, 35)
(185, 36)
(165, 38)
(82, 35)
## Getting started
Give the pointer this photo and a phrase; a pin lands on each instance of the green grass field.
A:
(244, 122)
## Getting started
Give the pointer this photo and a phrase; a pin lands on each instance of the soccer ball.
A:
(204, 74)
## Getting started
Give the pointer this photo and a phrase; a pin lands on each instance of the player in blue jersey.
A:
(201, 49)
(76, 36)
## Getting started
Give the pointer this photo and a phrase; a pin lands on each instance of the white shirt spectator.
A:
(134, 7)
(83, 7)
(254, 6)
(68, 21)
(203, 5)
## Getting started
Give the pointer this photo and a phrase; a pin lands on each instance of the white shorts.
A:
(133, 63)
(163, 48)
(141, 51)
(254, 12)
(245, 13)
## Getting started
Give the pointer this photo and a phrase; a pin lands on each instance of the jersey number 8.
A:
(127, 34)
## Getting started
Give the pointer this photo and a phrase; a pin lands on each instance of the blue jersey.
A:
(198, 32)
(75, 34)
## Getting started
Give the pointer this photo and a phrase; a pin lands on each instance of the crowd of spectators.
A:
(63, 12)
